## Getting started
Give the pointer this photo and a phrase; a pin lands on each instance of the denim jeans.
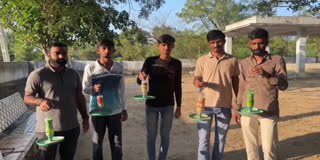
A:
(152, 116)
(67, 148)
(222, 117)
(113, 123)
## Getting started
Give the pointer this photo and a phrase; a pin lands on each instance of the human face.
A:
(258, 46)
(105, 51)
(58, 56)
(165, 49)
(216, 46)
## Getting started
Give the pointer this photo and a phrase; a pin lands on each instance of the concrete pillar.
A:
(301, 46)
(228, 45)
(4, 46)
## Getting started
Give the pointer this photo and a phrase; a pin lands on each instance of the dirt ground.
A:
(299, 126)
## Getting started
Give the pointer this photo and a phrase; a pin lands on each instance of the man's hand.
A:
(142, 76)
(46, 105)
(96, 88)
(85, 125)
(236, 115)
(177, 113)
(257, 70)
(198, 82)
(124, 115)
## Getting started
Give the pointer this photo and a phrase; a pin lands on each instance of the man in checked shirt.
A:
(265, 74)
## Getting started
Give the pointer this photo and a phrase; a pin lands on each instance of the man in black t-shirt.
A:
(164, 76)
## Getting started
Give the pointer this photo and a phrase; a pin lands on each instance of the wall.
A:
(13, 75)
(13, 71)
(307, 59)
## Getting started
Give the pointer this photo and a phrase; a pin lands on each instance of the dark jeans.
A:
(67, 148)
(152, 117)
(100, 123)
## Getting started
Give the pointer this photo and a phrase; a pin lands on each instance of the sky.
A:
(167, 15)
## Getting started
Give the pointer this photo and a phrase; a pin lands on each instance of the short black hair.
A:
(105, 42)
(259, 33)
(215, 34)
(55, 44)
(166, 38)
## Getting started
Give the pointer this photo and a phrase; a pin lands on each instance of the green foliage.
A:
(311, 7)
(83, 53)
(261, 8)
(313, 46)
(132, 45)
(278, 46)
(23, 52)
(190, 45)
(74, 22)
(157, 31)
(213, 14)
(240, 47)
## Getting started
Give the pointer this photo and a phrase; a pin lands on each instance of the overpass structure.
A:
(300, 26)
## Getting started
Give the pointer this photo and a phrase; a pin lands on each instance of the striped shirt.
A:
(265, 87)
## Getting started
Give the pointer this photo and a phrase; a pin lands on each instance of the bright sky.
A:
(167, 15)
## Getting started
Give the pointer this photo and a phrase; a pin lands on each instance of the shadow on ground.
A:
(291, 148)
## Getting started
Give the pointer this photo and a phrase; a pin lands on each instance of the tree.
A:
(87, 52)
(74, 22)
(213, 14)
(23, 52)
(240, 47)
(190, 45)
(268, 6)
(132, 45)
(157, 31)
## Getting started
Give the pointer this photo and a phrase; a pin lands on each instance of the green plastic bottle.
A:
(249, 101)
(49, 128)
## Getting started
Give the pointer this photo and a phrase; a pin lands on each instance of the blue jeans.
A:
(152, 116)
(222, 117)
(67, 148)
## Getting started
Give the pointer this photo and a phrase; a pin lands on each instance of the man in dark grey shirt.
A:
(56, 91)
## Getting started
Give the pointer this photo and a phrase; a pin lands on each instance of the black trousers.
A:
(113, 123)
(67, 148)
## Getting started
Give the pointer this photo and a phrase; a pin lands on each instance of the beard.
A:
(58, 63)
(258, 52)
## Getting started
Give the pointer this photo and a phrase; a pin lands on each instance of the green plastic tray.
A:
(195, 117)
(97, 114)
(246, 111)
(140, 97)
(45, 142)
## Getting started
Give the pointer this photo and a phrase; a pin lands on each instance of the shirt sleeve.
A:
(33, 83)
(236, 71)
(79, 86)
(87, 81)
(144, 69)
(199, 68)
(241, 85)
(280, 78)
(122, 92)
(178, 88)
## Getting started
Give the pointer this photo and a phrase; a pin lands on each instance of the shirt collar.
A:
(225, 56)
(265, 57)
(99, 67)
(47, 65)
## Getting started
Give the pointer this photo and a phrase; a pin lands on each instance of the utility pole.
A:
(4, 45)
